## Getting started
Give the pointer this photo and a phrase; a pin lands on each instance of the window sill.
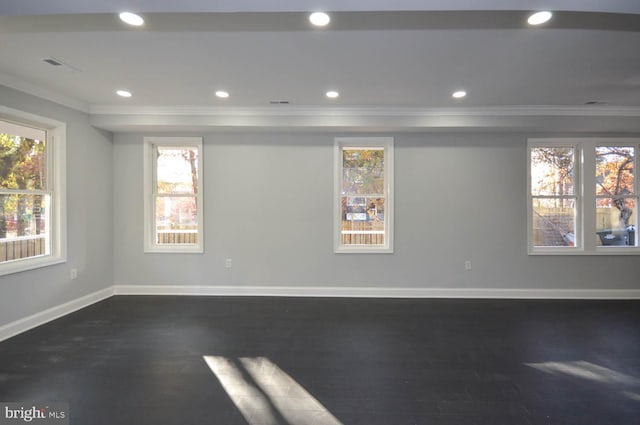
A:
(174, 249)
(361, 250)
(600, 250)
(24, 265)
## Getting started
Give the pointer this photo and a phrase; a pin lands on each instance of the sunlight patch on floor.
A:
(248, 399)
(631, 395)
(265, 394)
(592, 372)
(586, 370)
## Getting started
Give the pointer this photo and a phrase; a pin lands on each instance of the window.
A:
(583, 196)
(616, 196)
(173, 201)
(553, 195)
(363, 216)
(31, 191)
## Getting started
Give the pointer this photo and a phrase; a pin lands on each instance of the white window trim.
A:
(56, 173)
(585, 187)
(150, 246)
(387, 144)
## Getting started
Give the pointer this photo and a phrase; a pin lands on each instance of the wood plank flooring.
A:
(268, 361)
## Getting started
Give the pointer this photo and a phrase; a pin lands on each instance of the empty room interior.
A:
(319, 212)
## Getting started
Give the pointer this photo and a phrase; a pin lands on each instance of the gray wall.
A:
(89, 212)
(268, 206)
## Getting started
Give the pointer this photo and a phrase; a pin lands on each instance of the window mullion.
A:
(554, 197)
(10, 192)
(154, 170)
(636, 192)
(588, 196)
(175, 195)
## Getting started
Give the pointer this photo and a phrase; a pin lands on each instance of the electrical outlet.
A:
(73, 274)
(467, 265)
(228, 263)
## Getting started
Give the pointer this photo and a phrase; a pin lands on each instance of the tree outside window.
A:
(364, 189)
(583, 196)
(173, 201)
(553, 196)
(616, 197)
(24, 195)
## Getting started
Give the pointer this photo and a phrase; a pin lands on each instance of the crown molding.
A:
(18, 84)
(132, 118)
(311, 111)
(547, 119)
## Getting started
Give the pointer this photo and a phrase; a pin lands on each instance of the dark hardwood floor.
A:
(258, 361)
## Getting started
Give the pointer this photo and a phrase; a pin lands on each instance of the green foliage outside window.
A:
(22, 168)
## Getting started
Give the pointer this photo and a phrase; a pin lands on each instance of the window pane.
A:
(552, 171)
(614, 170)
(177, 170)
(616, 221)
(554, 222)
(173, 209)
(362, 171)
(176, 220)
(362, 220)
(24, 226)
(22, 162)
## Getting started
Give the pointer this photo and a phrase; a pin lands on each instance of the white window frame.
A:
(585, 194)
(56, 188)
(377, 142)
(149, 169)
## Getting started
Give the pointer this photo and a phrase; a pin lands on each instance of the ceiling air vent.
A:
(596, 103)
(53, 62)
(279, 102)
(59, 64)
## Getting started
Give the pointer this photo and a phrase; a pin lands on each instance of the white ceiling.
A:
(48, 7)
(397, 55)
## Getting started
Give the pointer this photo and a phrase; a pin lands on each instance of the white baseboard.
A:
(26, 323)
(372, 292)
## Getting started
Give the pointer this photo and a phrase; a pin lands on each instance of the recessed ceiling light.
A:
(131, 19)
(332, 94)
(539, 18)
(123, 93)
(459, 94)
(222, 94)
(319, 19)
